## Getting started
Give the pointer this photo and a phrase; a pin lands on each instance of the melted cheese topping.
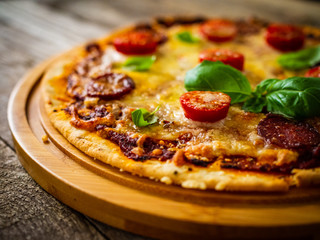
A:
(163, 85)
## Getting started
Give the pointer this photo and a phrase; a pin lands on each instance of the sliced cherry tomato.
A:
(313, 72)
(205, 106)
(234, 59)
(285, 37)
(218, 30)
(136, 43)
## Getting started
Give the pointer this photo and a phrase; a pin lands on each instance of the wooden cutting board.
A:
(143, 206)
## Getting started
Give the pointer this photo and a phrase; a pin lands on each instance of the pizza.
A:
(202, 103)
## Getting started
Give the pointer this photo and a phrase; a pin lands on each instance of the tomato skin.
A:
(136, 43)
(218, 30)
(234, 59)
(285, 37)
(313, 72)
(205, 106)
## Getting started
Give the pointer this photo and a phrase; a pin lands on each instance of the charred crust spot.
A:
(91, 47)
(311, 33)
(127, 143)
(170, 21)
(199, 162)
(54, 110)
(143, 26)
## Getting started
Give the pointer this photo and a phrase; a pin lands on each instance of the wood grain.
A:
(31, 31)
(21, 205)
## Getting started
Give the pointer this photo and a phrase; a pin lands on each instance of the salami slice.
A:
(110, 86)
(288, 134)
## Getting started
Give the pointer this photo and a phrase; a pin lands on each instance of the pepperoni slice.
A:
(110, 86)
(285, 37)
(218, 30)
(75, 86)
(205, 106)
(99, 116)
(313, 72)
(288, 134)
(137, 42)
(234, 59)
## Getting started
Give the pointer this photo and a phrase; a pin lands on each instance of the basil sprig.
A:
(186, 36)
(216, 76)
(139, 63)
(142, 117)
(295, 97)
(303, 59)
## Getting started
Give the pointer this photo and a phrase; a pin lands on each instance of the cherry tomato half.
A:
(136, 43)
(285, 37)
(205, 106)
(234, 59)
(218, 30)
(313, 72)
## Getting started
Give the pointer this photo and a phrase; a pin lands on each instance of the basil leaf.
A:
(296, 97)
(300, 60)
(140, 63)
(142, 117)
(186, 36)
(265, 85)
(216, 76)
(255, 104)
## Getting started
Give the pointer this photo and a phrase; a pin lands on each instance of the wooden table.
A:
(32, 31)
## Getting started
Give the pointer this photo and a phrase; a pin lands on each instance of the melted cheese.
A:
(163, 85)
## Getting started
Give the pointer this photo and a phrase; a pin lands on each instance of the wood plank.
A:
(28, 212)
(124, 11)
(20, 49)
(29, 34)
(24, 40)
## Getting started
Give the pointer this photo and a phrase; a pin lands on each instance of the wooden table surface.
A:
(32, 31)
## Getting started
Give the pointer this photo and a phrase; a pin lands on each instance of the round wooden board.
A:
(143, 206)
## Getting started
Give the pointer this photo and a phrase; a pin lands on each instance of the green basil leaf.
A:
(255, 104)
(296, 97)
(216, 76)
(142, 117)
(186, 36)
(305, 58)
(139, 63)
(265, 85)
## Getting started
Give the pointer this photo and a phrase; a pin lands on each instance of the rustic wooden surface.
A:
(32, 31)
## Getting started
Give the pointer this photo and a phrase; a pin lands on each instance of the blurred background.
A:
(32, 31)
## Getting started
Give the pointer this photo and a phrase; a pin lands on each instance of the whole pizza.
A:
(204, 103)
